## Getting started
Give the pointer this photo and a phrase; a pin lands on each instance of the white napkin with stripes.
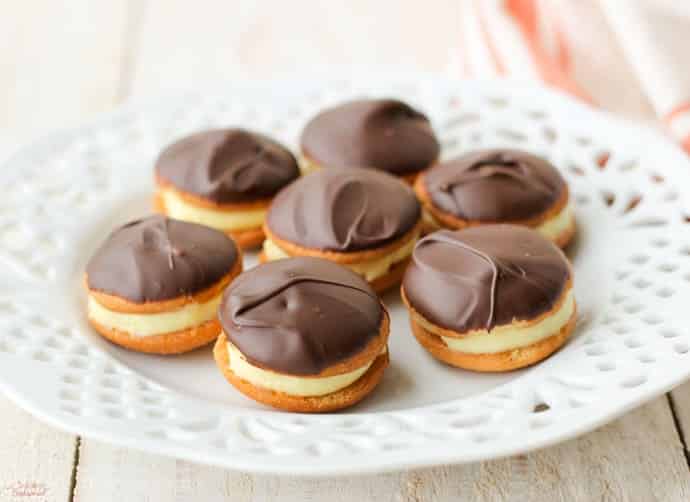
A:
(655, 37)
(526, 39)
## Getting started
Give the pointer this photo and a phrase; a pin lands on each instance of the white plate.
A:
(63, 195)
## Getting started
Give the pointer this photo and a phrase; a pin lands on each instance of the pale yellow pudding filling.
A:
(429, 219)
(509, 337)
(176, 207)
(552, 228)
(289, 384)
(188, 316)
(555, 226)
(306, 166)
(370, 270)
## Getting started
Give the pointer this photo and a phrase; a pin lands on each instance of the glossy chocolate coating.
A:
(227, 165)
(485, 276)
(494, 186)
(349, 210)
(300, 315)
(159, 258)
(384, 134)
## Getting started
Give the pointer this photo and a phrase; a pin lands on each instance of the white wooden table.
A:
(63, 62)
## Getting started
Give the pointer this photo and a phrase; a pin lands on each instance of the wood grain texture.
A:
(679, 398)
(62, 62)
(34, 458)
(184, 45)
(636, 458)
(59, 63)
(109, 473)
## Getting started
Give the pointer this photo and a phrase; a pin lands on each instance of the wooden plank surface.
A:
(636, 458)
(183, 45)
(61, 63)
(679, 399)
(34, 458)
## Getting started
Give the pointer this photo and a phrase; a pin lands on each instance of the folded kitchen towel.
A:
(526, 39)
(655, 37)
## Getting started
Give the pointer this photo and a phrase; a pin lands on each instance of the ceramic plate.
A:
(63, 195)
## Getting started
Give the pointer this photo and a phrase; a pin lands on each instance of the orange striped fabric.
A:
(524, 39)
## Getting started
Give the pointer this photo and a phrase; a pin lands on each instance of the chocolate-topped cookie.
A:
(225, 179)
(383, 134)
(154, 284)
(364, 219)
(489, 298)
(497, 186)
(302, 334)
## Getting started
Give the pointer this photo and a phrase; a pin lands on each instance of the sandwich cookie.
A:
(155, 284)
(489, 298)
(302, 334)
(363, 219)
(224, 179)
(497, 186)
(383, 134)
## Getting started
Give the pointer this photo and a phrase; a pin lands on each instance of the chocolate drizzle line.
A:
(523, 276)
(300, 315)
(442, 237)
(500, 164)
(494, 185)
(227, 165)
(238, 304)
(151, 235)
(344, 211)
(158, 258)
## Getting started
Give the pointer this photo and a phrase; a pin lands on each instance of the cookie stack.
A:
(366, 205)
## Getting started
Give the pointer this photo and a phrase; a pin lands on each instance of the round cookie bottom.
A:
(434, 219)
(343, 398)
(392, 278)
(166, 343)
(249, 238)
(409, 178)
(381, 284)
(567, 236)
(493, 362)
(562, 240)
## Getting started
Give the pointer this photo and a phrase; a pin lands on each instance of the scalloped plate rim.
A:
(393, 461)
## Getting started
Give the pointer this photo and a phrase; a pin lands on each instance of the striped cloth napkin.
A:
(526, 39)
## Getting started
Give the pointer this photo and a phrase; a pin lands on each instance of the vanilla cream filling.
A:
(306, 166)
(555, 226)
(430, 220)
(370, 270)
(508, 336)
(289, 384)
(178, 208)
(188, 316)
(552, 228)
